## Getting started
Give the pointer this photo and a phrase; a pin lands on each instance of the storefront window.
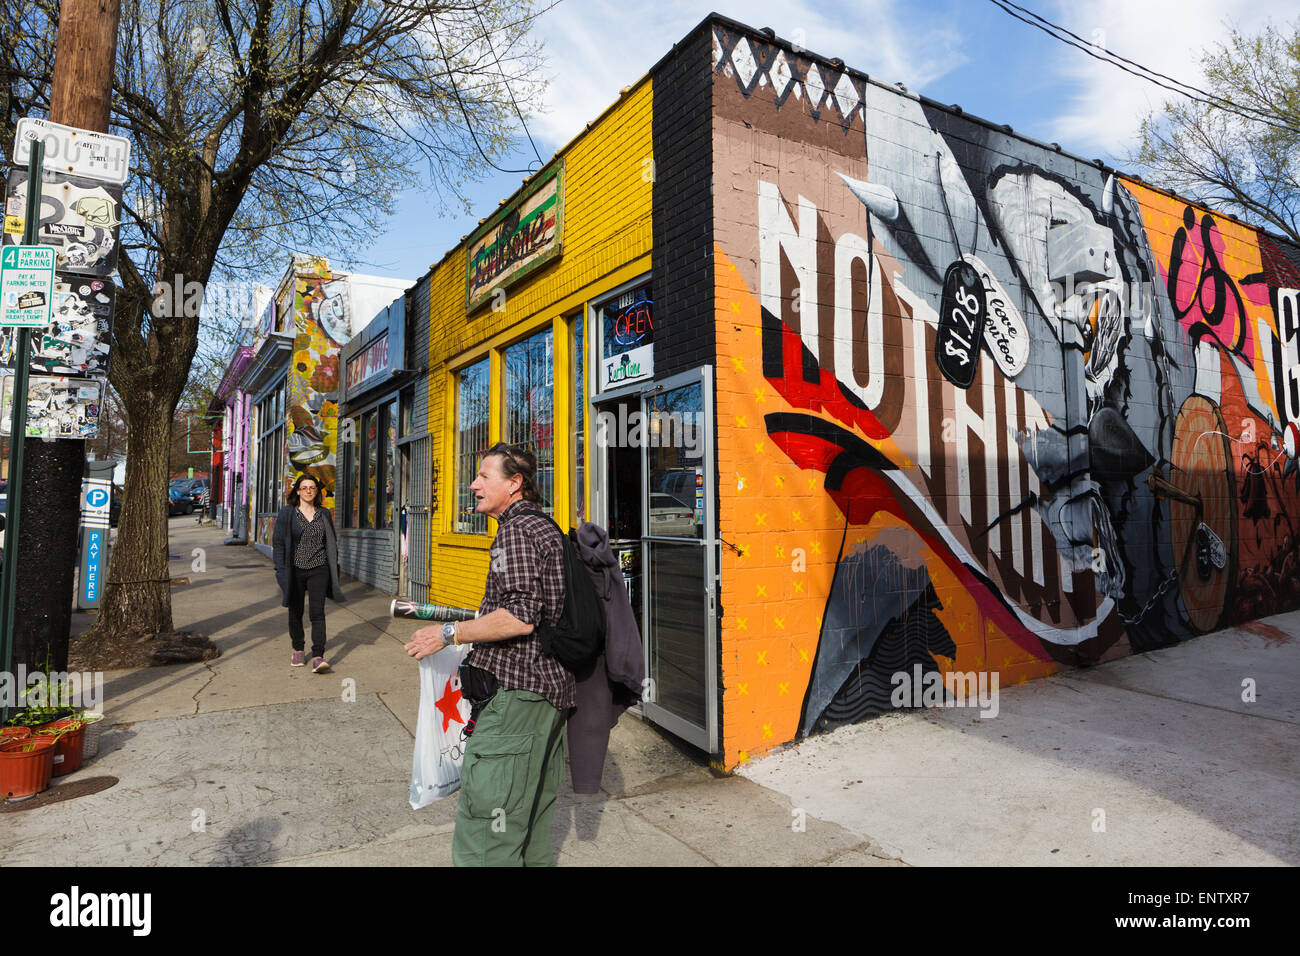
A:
(270, 451)
(627, 333)
(371, 488)
(471, 442)
(353, 471)
(529, 406)
(390, 461)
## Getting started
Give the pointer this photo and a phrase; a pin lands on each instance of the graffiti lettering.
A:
(1212, 289)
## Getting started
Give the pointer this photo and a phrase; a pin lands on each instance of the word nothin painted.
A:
(76, 909)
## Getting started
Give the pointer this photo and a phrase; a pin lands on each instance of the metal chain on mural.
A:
(1170, 577)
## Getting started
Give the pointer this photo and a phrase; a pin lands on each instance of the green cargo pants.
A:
(511, 773)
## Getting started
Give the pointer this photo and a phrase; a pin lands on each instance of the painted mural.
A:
(322, 317)
(982, 406)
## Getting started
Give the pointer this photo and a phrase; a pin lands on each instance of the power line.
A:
(523, 122)
(451, 77)
(1151, 76)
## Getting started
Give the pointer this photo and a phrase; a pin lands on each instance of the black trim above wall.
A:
(682, 257)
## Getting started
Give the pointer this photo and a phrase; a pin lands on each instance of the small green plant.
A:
(33, 715)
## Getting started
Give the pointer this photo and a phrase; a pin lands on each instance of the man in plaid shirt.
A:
(515, 758)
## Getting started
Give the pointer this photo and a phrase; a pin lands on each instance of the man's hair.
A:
(518, 461)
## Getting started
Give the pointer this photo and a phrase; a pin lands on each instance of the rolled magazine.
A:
(431, 612)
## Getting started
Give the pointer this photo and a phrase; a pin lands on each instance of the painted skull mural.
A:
(991, 407)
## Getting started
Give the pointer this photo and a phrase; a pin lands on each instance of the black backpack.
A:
(578, 637)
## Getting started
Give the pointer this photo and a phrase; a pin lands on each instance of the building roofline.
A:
(953, 109)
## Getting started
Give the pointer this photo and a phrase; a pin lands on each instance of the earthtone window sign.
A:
(371, 362)
(75, 342)
(56, 407)
(627, 332)
(26, 286)
(517, 240)
(79, 218)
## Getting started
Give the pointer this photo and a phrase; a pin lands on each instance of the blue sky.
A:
(967, 52)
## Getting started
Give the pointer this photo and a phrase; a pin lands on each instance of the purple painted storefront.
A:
(230, 488)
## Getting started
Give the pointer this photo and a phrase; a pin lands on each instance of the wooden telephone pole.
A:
(80, 96)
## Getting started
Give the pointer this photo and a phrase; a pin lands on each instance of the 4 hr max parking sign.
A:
(26, 286)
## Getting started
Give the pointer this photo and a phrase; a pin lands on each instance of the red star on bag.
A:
(449, 704)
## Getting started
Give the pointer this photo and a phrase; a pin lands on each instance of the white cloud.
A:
(1166, 36)
(595, 47)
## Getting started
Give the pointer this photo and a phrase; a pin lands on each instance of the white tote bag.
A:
(439, 737)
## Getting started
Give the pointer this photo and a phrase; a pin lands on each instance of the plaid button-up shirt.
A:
(526, 577)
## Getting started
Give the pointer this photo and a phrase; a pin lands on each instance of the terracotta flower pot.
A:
(68, 736)
(25, 766)
(14, 733)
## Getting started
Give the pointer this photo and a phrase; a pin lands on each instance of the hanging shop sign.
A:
(1006, 336)
(76, 340)
(368, 363)
(79, 218)
(517, 240)
(962, 316)
(73, 151)
(26, 286)
(56, 407)
(627, 333)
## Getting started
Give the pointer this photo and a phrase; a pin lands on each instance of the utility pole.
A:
(80, 96)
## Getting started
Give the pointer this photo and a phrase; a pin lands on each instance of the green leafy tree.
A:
(259, 127)
(1238, 149)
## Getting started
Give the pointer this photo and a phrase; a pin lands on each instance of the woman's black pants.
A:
(309, 583)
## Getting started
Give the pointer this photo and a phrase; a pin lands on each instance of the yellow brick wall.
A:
(607, 239)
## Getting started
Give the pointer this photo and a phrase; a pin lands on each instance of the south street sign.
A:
(26, 286)
(75, 152)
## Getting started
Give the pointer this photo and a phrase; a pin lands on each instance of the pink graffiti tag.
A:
(1204, 296)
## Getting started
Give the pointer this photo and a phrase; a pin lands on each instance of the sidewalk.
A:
(244, 761)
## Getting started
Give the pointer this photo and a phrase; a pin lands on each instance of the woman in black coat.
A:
(306, 553)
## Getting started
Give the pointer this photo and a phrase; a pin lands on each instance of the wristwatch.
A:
(449, 634)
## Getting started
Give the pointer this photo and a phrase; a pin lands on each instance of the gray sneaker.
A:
(319, 665)
(297, 658)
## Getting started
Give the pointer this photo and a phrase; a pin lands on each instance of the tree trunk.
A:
(137, 597)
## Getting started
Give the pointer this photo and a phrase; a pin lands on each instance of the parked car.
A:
(178, 499)
(196, 491)
(669, 517)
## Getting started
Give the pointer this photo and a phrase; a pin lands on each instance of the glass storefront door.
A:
(655, 495)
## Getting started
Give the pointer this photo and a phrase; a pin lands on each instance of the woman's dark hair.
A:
(518, 461)
(292, 496)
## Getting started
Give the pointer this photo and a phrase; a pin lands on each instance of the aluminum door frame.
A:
(706, 737)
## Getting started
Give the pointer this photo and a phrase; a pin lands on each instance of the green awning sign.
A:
(26, 286)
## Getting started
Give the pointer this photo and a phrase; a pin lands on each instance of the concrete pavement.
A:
(242, 760)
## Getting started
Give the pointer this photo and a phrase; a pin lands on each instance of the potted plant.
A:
(14, 733)
(26, 766)
(67, 735)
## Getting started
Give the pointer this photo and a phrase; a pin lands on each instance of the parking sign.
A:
(26, 286)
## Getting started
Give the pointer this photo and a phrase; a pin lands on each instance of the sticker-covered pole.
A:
(18, 428)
